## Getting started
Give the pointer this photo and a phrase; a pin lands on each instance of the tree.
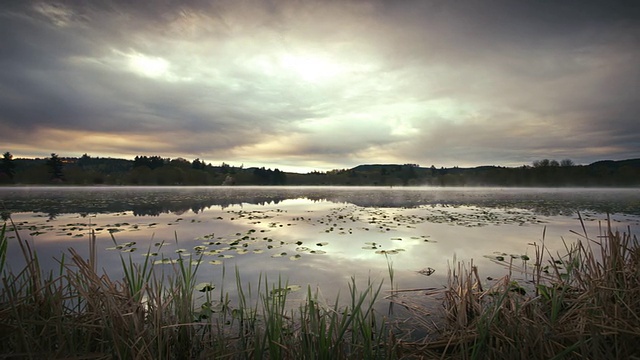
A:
(157, 162)
(541, 163)
(84, 161)
(261, 175)
(7, 166)
(141, 161)
(408, 172)
(180, 163)
(278, 177)
(152, 162)
(567, 163)
(197, 164)
(55, 165)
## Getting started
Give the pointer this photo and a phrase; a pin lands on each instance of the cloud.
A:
(315, 83)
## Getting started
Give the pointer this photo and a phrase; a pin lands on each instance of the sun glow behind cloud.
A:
(153, 67)
(312, 68)
(327, 84)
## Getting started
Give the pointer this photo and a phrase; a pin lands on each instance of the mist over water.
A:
(156, 200)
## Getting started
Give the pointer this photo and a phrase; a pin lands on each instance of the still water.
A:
(311, 236)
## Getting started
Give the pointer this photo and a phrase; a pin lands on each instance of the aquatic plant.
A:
(585, 301)
(150, 314)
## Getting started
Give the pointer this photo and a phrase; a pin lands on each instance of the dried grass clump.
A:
(582, 305)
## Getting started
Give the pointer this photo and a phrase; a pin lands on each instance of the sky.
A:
(318, 85)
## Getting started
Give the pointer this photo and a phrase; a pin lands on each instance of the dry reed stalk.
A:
(111, 311)
(462, 300)
(586, 301)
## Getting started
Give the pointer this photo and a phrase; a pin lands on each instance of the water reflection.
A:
(154, 201)
(311, 236)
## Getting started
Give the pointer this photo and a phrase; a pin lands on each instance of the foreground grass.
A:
(583, 304)
(77, 312)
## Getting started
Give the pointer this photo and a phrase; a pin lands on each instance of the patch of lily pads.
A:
(502, 256)
(268, 232)
(282, 291)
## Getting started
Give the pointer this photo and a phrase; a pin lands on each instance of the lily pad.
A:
(205, 287)
(284, 290)
(387, 252)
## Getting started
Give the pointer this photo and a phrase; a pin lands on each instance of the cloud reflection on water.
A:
(428, 231)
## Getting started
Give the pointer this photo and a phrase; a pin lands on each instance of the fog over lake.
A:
(318, 236)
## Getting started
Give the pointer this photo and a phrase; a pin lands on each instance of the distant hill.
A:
(611, 164)
(542, 173)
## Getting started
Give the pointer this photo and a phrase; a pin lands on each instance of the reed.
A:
(585, 302)
(149, 314)
(4, 242)
(582, 303)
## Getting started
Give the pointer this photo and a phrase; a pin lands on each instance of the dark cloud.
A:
(324, 83)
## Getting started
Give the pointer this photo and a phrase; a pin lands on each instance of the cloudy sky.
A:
(303, 85)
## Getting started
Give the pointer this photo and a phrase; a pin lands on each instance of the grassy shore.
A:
(584, 303)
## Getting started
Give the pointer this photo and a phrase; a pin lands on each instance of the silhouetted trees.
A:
(566, 163)
(7, 168)
(152, 162)
(197, 164)
(55, 165)
(155, 170)
(264, 176)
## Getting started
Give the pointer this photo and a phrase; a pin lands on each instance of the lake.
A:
(317, 236)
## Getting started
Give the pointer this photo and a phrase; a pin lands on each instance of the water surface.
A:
(316, 236)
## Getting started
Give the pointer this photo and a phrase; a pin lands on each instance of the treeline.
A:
(143, 170)
(155, 170)
(542, 173)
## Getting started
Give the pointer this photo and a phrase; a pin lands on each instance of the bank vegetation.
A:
(583, 303)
